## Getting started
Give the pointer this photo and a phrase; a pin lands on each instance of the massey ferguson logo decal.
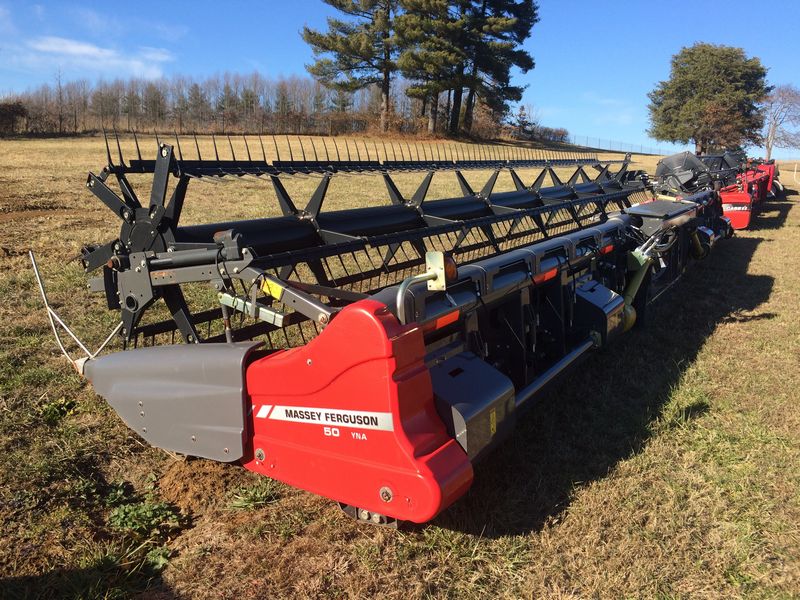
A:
(328, 416)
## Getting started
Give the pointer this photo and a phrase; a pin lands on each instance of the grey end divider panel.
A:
(185, 398)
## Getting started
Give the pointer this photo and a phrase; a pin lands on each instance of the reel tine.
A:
(108, 150)
(335, 145)
(247, 148)
(136, 141)
(230, 144)
(197, 146)
(275, 143)
(119, 149)
(178, 145)
(288, 143)
(216, 152)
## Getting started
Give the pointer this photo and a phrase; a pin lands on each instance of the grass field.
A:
(667, 468)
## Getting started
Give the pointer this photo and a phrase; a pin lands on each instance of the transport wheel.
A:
(777, 189)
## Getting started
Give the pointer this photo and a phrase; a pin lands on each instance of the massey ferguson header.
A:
(372, 355)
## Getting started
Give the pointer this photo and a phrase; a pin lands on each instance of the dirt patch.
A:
(197, 485)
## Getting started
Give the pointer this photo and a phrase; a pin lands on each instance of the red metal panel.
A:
(737, 206)
(390, 444)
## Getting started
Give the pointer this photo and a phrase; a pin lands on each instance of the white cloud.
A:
(70, 48)
(155, 54)
(70, 55)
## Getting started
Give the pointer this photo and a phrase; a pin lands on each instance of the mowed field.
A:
(667, 467)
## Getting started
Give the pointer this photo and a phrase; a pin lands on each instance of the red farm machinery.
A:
(743, 184)
(371, 355)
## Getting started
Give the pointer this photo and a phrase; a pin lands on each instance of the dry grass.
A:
(665, 468)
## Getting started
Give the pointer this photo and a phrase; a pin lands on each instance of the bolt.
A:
(260, 454)
(308, 362)
(235, 269)
(363, 514)
(376, 518)
(138, 269)
(164, 151)
(190, 337)
(194, 438)
(144, 429)
(141, 403)
(171, 249)
(141, 414)
(143, 264)
(386, 494)
(323, 319)
(226, 450)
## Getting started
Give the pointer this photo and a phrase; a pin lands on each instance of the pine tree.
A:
(497, 28)
(428, 35)
(358, 52)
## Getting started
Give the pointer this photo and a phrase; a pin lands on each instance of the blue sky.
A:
(595, 61)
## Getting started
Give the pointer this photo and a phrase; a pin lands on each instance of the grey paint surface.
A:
(185, 398)
(475, 401)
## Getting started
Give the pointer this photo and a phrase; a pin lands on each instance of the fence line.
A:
(586, 141)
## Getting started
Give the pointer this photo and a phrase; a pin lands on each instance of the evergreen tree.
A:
(199, 108)
(711, 98)
(358, 52)
(429, 34)
(497, 28)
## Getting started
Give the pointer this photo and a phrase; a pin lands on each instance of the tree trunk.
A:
(770, 141)
(385, 102)
(447, 107)
(468, 112)
(433, 113)
(455, 111)
(424, 106)
(700, 147)
(385, 84)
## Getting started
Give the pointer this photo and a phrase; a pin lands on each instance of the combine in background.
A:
(372, 355)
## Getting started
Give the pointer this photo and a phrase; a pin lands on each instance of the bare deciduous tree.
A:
(782, 113)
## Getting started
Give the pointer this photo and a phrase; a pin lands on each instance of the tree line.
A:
(441, 66)
(228, 102)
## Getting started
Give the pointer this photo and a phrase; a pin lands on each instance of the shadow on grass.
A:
(100, 581)
(602, 412)
(772, 215)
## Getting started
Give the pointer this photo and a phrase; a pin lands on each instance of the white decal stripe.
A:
(264, 411)
(356, 419)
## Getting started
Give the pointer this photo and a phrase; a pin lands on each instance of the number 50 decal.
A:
(331, 431)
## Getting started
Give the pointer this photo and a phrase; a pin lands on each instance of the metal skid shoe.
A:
(362, 515)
